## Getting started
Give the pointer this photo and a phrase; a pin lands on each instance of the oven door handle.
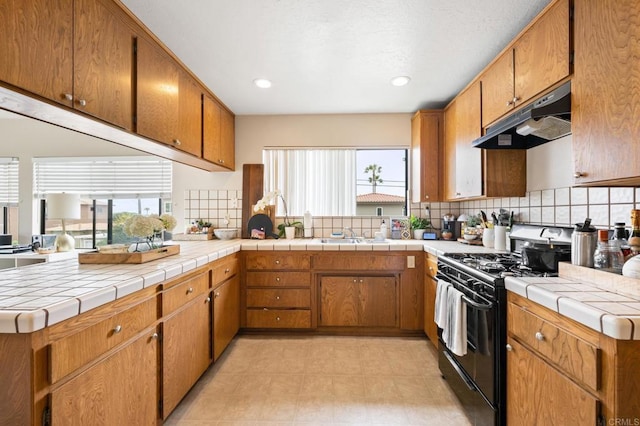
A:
(476, 305)
(458, 369)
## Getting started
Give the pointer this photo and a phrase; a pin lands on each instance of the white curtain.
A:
(8, 182)
(322, 181)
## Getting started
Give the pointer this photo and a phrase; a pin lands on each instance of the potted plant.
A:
(418, 225)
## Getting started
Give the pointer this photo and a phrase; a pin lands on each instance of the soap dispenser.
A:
(308, 225)
(383, 228)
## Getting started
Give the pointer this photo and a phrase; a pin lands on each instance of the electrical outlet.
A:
(411, 261)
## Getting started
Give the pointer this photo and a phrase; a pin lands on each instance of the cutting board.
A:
(476, 242)
(263, 223)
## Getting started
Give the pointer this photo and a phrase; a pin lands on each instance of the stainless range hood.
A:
(543, 120)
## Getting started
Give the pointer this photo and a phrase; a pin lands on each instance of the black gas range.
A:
(478, 377)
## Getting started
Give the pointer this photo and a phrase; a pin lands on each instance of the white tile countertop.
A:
(612, 313)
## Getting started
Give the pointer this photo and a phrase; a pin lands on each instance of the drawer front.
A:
(74, 351)
(180, 294)
(225, 270)
(432, 265)
(277, 261)
(575, 357)
(278, 318)
(278, 279)
(279, 298)
(365, 262)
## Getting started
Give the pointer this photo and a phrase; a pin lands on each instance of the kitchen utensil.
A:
(263, 223)
(483, 217)
(511, 219)
(583, 246)
(495, 218)
(544, 257)
(585, 225)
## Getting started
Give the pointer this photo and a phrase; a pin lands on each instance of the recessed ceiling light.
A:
(262, 83)
(400, 80)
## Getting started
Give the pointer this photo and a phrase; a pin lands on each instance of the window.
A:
(111, 190)
(338, 181)
(9, 196)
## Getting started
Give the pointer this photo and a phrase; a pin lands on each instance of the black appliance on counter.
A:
(449, 223)
(478, 378)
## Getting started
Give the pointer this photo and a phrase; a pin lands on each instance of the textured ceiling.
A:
(335, 56)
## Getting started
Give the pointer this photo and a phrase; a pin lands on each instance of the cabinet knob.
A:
(190, 290)
(578, 175)
(226, 271)
(207, 300)
(277, 297)
(509, 103)
(509, 347)
(82, 102)
(458, 194)
(217, 294)
(516, 99)
(426, 197)
(68, 96)
(117, 329)
(360, 280)
(277, 318)
(355, 281)
(277, 262)
(154, 336)
(539, 336)
(177, 142)
(221, 161)
(278, 279)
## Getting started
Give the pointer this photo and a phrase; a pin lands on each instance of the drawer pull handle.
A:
(278, 279)
(277, 297)
(208, 299)
(217, 294)
(509, 347)
(177, 142)
(277, 262)
(539, 336)
(226, 271)
(68, 96)
(82, 102)
(117, 329)
(190, 290)
(154, 336)
(277, 318)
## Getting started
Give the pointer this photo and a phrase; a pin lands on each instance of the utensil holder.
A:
(488, 237)
(583, 245)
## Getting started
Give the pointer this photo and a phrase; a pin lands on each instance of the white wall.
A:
(550, 165)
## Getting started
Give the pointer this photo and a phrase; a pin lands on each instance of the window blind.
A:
(103, 178)
(9, 182)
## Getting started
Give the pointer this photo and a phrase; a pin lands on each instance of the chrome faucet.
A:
(353, 233)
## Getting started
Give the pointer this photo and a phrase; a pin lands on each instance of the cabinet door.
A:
(186, 350)
(449, 175)
(468, 158)
(497, 88)
(158, 86)
(426, 131)
(120, 390)
(103, 62)
(605, 87)
(339, 301)
(36, 41)
(537, 394)
(211, 136)
(430, 327)
(378, 300)
(226, 315)
(190, 118)
(227, 139)
(541, 55)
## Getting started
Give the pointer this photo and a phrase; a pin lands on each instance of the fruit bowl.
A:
(225, 233)
(470, 237)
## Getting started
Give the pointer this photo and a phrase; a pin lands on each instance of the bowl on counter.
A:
(470, 237)
(225, 233)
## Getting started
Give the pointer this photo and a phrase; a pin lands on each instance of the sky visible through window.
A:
(393, 172)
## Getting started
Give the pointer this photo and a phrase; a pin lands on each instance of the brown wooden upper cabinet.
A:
(427, 128)
(218, 134)
(36, 41)
(78, 53)
(538, 59)
(605, 88)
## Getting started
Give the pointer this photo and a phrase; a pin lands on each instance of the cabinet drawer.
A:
(278, 318)
(225, 270)
(369, 263)
(277, 261)
(432, 266)
(572, 355)
(72, 352)
(178, 295)
(278, 279)
(279, 298)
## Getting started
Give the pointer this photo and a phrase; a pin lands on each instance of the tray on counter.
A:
(134, 258)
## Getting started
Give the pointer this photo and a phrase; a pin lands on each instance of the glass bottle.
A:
(634, 237)
(620, 235)
(608, 256)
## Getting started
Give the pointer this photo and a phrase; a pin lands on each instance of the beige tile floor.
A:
(320, 380)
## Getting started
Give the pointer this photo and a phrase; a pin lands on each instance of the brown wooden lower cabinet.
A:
(278, 318)
(562, 372)
(363, 301)
(226, 314)
(430, 285)
(121, 389)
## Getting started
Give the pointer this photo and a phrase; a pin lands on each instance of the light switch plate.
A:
(411, 261)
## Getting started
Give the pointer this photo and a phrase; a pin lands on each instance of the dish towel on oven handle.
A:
(440, 310)
(455, 334)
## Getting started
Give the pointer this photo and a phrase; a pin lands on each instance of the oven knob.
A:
(509, 348)
(539, 336)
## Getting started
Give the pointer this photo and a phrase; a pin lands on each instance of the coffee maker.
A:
(450, 227)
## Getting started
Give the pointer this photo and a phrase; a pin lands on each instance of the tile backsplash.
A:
(553, 207)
